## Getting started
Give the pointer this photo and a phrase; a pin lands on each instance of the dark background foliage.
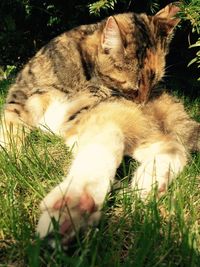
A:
(26, 25)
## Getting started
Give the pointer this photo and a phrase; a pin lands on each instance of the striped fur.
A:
(121, 56)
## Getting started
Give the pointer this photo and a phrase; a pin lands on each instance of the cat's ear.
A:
(111, 39)
(166, 17)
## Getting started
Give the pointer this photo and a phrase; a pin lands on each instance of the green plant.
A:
(190, 11)
(96, 7)
(8, 72)
(197, 58)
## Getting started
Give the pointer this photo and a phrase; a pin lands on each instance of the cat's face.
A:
(131, 56)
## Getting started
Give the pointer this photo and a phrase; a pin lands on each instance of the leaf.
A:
(192, 61)
(95, 8)
(197, 44)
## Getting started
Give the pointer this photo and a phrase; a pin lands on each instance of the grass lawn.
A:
(130, 233)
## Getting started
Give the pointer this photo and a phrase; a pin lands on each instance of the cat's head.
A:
(132, 50)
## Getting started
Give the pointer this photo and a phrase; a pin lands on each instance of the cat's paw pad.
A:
(71, 212)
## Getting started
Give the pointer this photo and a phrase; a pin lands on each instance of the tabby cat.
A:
(123, 55)
(81, 86)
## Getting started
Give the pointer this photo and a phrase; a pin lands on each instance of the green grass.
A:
(130, 233)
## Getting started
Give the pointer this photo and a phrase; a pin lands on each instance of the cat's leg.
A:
(14, 126)
(20, 114)
(45, 110)
(77, 201)
(160, 162)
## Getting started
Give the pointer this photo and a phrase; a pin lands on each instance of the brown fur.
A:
(171, 118)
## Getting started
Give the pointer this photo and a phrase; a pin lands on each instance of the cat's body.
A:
(157, 135)
(77, 86)
(123, 55)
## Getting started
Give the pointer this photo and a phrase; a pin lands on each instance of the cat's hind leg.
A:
(77, 201)
(160, 162)
(19, 117)
(20, 114)
(14, 126)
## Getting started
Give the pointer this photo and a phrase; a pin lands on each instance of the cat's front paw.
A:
(70, 208)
